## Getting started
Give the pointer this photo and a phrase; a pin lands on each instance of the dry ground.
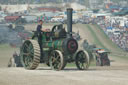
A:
(45, 76)
(116, 74)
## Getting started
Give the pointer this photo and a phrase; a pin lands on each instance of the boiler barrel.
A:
(68, 45)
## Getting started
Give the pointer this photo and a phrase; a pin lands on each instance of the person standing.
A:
(39, 30)
(39, 26)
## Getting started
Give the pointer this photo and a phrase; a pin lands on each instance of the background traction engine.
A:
(56, 49)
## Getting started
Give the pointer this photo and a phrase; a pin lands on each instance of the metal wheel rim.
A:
(82, 60)
(30, 54)
(56, 60)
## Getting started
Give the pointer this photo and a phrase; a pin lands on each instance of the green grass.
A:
(117, 52)
(96, 39)
(71, 65)
(74, 65)
(107, 39)
(6, 48)
(114, 49)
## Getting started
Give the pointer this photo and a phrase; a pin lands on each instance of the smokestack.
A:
(69, 21)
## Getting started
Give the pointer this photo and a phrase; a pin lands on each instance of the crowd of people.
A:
(116, 29)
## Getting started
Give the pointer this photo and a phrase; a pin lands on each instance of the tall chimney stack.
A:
(69, 21)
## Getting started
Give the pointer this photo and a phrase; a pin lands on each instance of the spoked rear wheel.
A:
(57, 60)
(82, 60)
(30, 54)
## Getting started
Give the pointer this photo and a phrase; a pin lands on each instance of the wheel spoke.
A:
(31, 50)
(26, 45)
(26, 61)
(82, 65)
(55, 66)
(25, 54)
(57, 57)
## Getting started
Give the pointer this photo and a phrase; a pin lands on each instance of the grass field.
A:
(102, 40)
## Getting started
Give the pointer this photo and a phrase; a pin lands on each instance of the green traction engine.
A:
(56, 48)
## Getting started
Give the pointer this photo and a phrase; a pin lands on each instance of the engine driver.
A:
(39, 27)
(39, 30)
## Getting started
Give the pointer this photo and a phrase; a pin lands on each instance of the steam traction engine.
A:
(56, 49)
